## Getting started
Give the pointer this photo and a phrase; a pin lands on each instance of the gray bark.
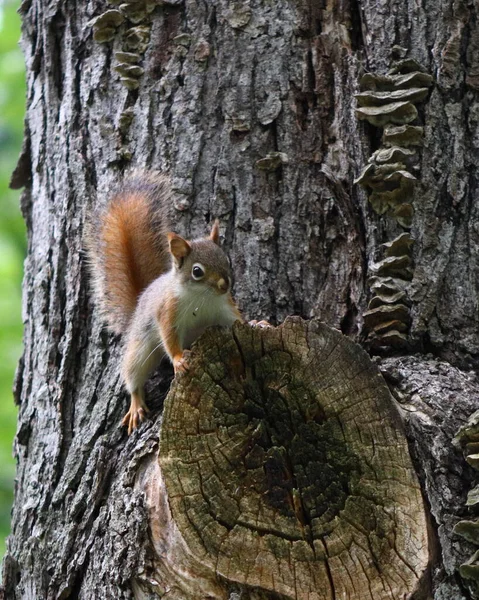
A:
(243, 81)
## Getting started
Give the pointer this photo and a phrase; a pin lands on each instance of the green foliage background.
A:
(12, 245)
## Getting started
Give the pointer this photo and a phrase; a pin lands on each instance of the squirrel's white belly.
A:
(198, 310)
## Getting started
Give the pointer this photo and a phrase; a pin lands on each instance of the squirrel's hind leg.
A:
(136, 413)
(140, 359)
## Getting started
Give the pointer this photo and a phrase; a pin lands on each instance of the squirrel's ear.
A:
(179, 247)
(215, 232)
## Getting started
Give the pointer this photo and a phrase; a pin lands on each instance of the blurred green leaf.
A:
(12, 245)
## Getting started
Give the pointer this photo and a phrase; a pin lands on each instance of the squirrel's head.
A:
(201, 262)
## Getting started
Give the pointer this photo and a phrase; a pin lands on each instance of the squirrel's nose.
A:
(222, 285)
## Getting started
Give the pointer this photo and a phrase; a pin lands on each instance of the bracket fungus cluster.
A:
(130, 22)
(389, 102)
(272, 161)
(468, 439)
(129, 68)
(135, 36)
(283, 467)
(105, 25)
(388, 316)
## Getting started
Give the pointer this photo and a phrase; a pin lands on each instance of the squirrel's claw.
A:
(180, 365)
(136, 414)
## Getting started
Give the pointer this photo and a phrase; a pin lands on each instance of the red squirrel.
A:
(157, 289)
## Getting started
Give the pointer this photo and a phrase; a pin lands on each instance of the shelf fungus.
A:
(386, 312)
(127, 58)
(131, 83)
(138, 10)
(388, 101)
(394, 154)
(395, 112)
(406, 65)
(134, 42)
(388, 316)
(137, 38)
(400, 246)
(403, 215)
(404, 135)
(283, 467)
(384, 98)
(105, 25)
(467, 439)
(389, 184)
(395, 266)
(272, 161)
(125, 119)
(129, 69)
(375, 82)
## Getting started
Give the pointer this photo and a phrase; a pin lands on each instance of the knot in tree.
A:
(286, 469)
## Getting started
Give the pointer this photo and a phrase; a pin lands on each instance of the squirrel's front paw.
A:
(263, 323)
(136, 414)
(180, 365)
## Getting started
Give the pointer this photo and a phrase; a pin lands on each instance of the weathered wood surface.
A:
(241, 83)
(286, 468)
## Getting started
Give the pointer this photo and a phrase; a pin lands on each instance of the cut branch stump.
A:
(283, 466)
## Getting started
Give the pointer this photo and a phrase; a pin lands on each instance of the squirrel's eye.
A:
(197, 272)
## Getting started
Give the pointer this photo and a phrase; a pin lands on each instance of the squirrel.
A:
(157, 289)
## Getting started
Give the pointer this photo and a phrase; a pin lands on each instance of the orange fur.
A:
(127, 246)
(169, 335)
(215, 232)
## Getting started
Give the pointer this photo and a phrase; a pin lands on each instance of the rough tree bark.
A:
(250, 107)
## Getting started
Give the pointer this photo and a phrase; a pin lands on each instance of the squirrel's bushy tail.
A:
(127, 245)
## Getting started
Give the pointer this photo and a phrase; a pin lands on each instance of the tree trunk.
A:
(249, 106)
